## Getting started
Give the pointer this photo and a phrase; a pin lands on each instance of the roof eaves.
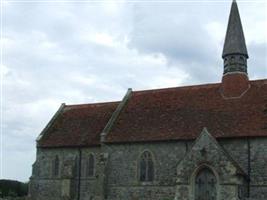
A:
(68, 146)
(115, 115)
(62, 106)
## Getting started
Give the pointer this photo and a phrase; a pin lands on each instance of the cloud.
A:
(191, 39)
(93, 52)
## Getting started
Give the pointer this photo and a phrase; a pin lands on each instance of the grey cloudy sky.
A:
(56, 52)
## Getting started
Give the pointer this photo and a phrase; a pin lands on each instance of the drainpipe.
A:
(79, 174)
(186, 146)
(249, 166)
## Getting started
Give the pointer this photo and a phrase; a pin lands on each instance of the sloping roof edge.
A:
(60, 109)
(115, 115)
(239, 168)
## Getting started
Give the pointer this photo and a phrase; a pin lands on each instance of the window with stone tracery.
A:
(55, 165)
(76, 167)
(146, 167)
(90, 166)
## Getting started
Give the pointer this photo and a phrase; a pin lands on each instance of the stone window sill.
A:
(147, 183)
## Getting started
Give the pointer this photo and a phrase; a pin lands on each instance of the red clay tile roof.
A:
(78, 125)
(181, 113)
(163, 115)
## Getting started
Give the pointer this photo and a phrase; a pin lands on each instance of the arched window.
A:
(241, 59)
(146, 167)
(225, 62)
(56, 167)
(232, 60)
(90, 166)
(205, 185)
(76, 167)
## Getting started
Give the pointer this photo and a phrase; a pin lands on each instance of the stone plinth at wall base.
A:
(255, 199)
(98, 198)
(65, 198)
(15, 198)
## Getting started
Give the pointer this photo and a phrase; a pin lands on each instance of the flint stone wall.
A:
(117, 179)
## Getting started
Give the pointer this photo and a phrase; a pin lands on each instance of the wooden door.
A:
(205, 185)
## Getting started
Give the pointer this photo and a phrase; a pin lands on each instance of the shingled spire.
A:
(235, 53)
(235, 79)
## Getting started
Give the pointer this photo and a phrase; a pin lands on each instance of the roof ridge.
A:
(92, 104)
(207, 85)
(179, 87)
(259, 80)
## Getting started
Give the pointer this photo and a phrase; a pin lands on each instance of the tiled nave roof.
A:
(78, 125)
(181, 113)
(162, 115)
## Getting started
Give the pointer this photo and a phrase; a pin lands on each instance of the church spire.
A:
(235, 80)
(235, 53)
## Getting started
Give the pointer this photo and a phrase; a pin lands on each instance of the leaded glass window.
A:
(90, 166)
(56, 166)
(76, 167)
(146, 166)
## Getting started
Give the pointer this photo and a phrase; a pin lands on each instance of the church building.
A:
(200, 142)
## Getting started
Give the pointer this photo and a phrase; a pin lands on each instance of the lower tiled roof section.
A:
(181, 113)
(78, 125)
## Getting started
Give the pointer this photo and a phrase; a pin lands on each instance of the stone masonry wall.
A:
(119, 180)
(123, 180)
(238, 149)
(44, 186)
(259, 168)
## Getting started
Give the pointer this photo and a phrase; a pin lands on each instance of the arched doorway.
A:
(205, 185)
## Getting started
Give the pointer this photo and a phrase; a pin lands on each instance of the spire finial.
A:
(235, 51)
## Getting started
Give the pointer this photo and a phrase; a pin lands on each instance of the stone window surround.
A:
(86, 176)
(53, 163)
(138, 168)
